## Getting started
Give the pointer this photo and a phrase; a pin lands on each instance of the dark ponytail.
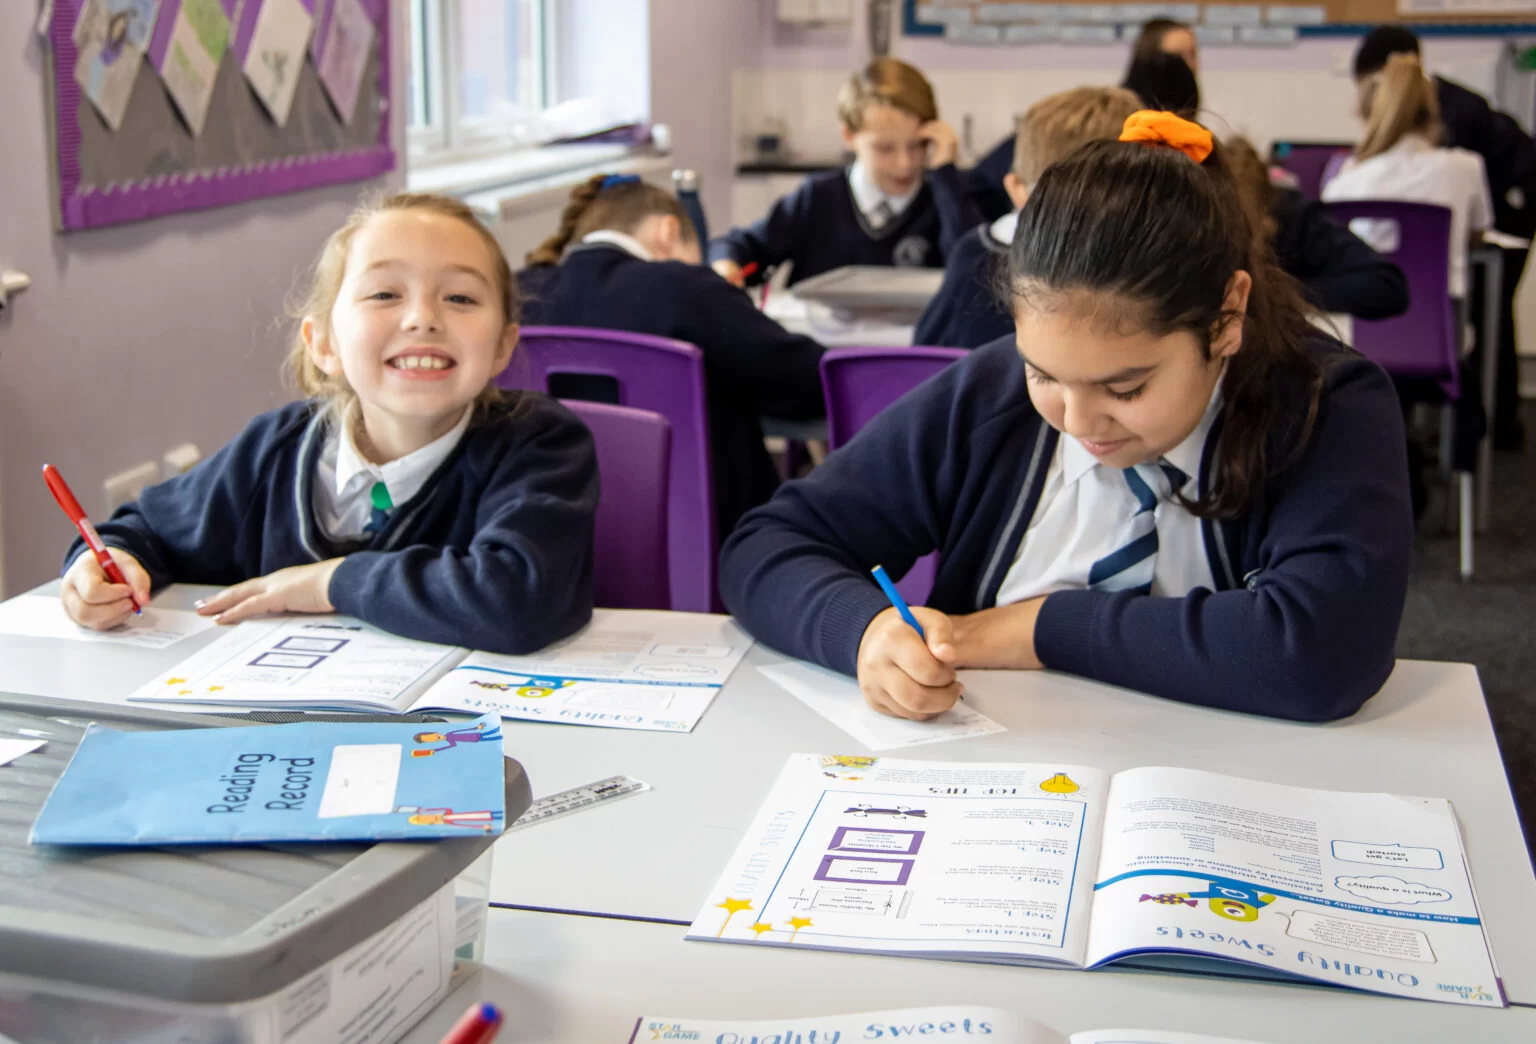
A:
(1157, 238)
(608, 201)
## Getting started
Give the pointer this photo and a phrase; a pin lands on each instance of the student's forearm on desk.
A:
(1002, 638)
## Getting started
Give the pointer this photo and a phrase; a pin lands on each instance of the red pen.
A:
(479, 1025)
(61, 492)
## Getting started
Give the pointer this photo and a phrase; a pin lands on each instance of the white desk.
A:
(584, 981)
(656, 854)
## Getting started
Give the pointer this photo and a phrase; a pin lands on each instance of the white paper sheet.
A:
(837, 698)
(11, 749)
(36, 616)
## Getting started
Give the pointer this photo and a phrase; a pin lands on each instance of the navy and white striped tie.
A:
(1130, 567)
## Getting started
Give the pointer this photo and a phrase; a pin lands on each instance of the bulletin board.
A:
(1263, 24)
(164, 106)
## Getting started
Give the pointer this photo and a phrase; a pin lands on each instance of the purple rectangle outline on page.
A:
(824, 871)
(914, 840)
(82, 207)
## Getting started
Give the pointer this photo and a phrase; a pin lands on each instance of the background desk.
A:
(584, 981)
(656, 854)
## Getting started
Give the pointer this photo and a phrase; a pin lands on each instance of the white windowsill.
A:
(503, 185)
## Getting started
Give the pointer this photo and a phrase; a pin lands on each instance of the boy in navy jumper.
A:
(1167, 481)
(626, 258)
(966, 312)
(880, 211)
(405, 490)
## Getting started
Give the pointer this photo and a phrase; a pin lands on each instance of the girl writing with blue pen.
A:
(404, 489)
(1165, 480)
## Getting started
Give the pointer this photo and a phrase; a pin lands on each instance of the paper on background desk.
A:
(39, 616)
(837, 698)
(11, 749)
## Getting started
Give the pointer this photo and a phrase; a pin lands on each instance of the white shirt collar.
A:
(623, 240)
(403, 477)
(1077, 461)
(868, 197)
(1004, 227)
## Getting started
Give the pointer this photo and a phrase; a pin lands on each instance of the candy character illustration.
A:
(486, 820)
(1060, 783)
(478, 734)
(899, 812)
(1231, 900)
(532, 689)
(842, 766)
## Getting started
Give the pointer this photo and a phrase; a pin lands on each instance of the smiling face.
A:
(418, 328)
(891, 148)
(1126, 397)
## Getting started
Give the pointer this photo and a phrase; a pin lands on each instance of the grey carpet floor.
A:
(1490, 622)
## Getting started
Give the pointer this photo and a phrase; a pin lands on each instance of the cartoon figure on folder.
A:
(478, 734)
(1227, 899)
(487, 821)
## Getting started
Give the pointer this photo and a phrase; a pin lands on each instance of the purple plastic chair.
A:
(1423, 341)
(665, 377)
(1307, 160)
(630, 561)
(1331, 170)
(860, 382)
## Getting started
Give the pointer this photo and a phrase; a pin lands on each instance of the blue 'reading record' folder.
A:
(306, 782)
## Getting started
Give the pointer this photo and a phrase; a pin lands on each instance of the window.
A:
(479, 78)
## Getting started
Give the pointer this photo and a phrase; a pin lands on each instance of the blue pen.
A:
(899, 602)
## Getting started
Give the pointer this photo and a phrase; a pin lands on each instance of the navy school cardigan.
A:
(1310, 583)
(494, 552)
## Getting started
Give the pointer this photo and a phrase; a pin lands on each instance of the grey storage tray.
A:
(214, 924)
(872, 288)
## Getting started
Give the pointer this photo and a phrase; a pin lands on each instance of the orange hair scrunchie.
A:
(1164, 128)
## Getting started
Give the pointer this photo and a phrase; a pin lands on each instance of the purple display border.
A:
(82, 207)
(824, 871)
(914, 840)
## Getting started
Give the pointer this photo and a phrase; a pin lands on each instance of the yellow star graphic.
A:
(215, 688)
(760, 928)
(185, 692)
(732, 907)
(175, 681)
(798, 923)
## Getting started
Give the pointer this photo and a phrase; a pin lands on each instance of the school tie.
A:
(1130, 566)
(884, 214)
(378, 517)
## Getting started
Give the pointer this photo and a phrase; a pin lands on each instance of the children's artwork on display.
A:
(110, 37)
(271, 58)
(241, 99)
(187, 48)
(348, 38)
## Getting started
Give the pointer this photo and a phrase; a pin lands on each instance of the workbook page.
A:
(307, 662)
(987, 861)
(953, 1023)
(627, 669)
(1361, 890)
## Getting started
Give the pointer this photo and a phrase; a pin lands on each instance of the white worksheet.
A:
(40, 616)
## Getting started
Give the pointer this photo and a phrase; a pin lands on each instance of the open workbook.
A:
(952, 1023)
(628, 669)
(1071, 866)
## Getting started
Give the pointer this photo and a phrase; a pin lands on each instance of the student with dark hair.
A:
(1155, 81)
(1337, 270)
(1164, 81)
(1167, 479)
(626, 257)
(1509, 159)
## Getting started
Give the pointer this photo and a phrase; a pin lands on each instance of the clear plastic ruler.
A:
(578, 798)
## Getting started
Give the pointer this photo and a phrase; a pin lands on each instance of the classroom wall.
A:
(133, 339)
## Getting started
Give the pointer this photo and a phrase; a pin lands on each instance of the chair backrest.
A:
(860, 382)
(665, 377)
(1422, 341)
(630, 562)
(1331, 170)
(1307, 160)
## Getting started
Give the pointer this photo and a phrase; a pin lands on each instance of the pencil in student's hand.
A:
(896, 600)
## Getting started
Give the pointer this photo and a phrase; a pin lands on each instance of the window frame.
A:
(447, 136)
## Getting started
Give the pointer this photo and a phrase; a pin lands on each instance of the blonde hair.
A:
(886, 81)
(1397, 101)
(622, 206)
(1056, 126)
(331, 268)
